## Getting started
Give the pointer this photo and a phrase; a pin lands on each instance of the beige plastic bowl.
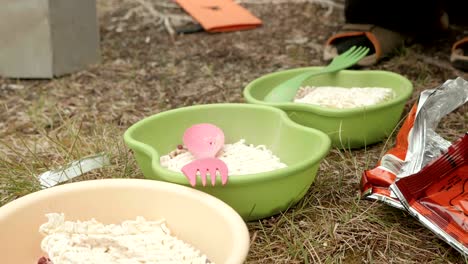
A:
(198, 218)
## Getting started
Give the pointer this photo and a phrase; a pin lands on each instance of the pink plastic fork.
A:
(204, 141)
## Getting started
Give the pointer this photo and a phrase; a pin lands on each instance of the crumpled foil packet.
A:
(417, 143)
(437, 196)
(425, 174)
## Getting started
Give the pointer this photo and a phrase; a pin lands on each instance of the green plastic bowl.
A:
(253, 196)
(347, 128)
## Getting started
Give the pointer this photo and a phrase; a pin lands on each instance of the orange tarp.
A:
(220, 15)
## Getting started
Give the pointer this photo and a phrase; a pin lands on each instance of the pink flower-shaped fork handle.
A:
(204, 141)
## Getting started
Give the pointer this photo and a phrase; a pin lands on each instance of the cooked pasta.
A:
(134, 242)
(240, 158)
(339, 97)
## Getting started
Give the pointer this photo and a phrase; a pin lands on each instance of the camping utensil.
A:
(286, 91)
(204, 141)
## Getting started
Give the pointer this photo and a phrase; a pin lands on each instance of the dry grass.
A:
(47, 123)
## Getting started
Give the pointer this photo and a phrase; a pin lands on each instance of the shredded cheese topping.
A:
(132, 242)
(240, 158)
(339, 97)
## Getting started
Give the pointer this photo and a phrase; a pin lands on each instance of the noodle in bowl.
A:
(142, 208)
(272, 161)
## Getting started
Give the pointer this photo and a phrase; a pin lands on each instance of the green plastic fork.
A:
(286, 91)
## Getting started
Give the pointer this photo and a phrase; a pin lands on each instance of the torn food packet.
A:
(417, 143)
(438, 195)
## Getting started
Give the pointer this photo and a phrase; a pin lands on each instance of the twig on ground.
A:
(164, 19)
(166, 5)
(149, 7)
(168, 26)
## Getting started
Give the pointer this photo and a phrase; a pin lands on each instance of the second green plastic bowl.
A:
(347, 128)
